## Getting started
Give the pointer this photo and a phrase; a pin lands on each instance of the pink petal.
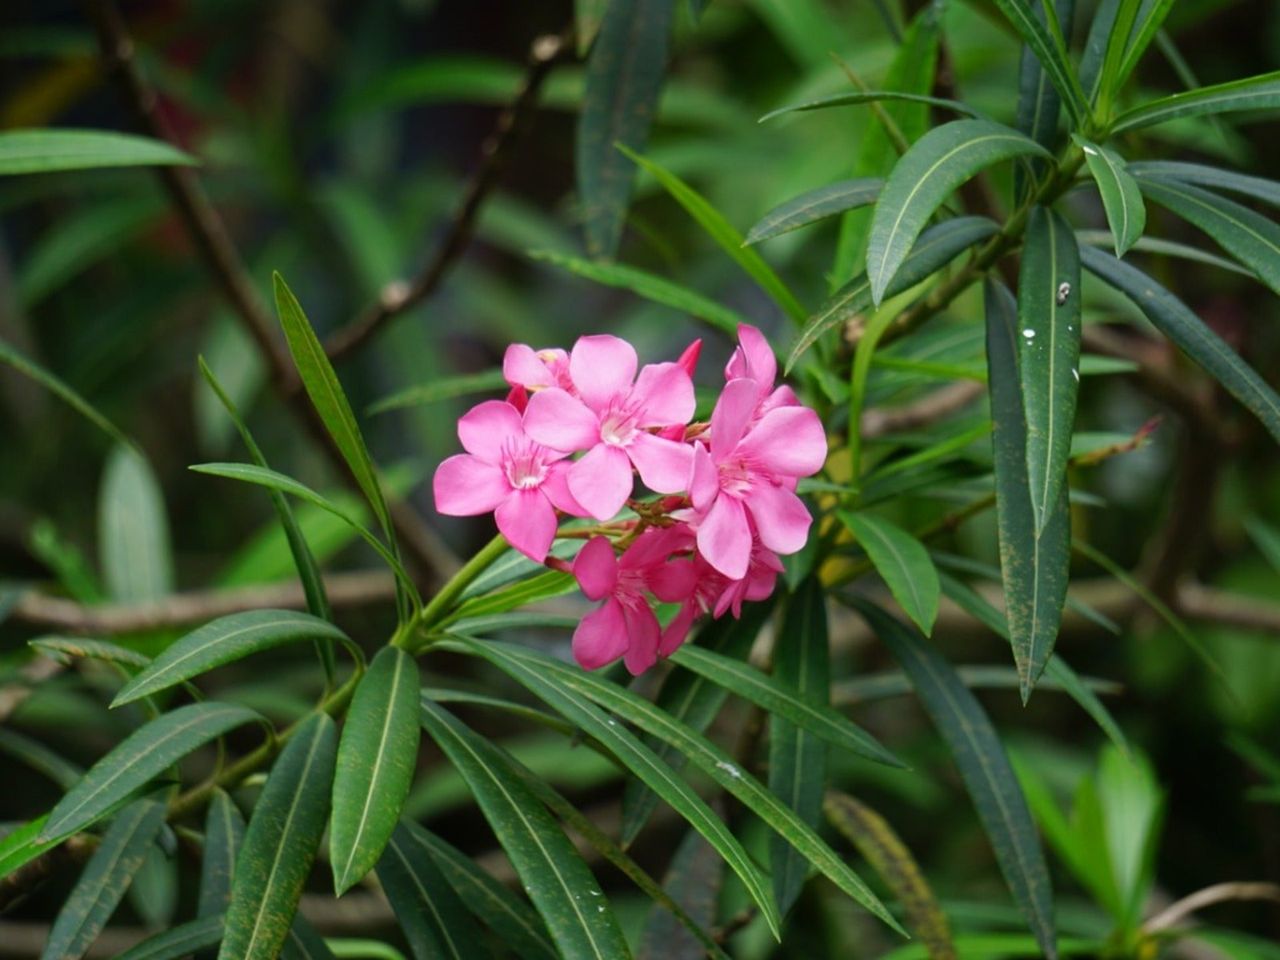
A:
(522, 367)
(730, 417)
(724, 538)
(602, 367)
(643, 635)
(528, 521)
(677, 631)
(601, 481)
(556, 487)
(596, 568)
(753, 359)
(705, 481)
(465, 486)
(561, 422)
(665, 466)
(673, 581)
(601, 637)
(689, 359)
(486, 427)
(788, 441)
(665, 395)
(782, 520)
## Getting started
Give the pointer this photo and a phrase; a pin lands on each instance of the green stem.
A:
(439, 606)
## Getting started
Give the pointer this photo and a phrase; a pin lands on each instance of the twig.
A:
(1218, 893)
(932, 407)
(401, 295)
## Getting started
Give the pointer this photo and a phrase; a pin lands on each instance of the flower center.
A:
(630, 588)
(523, 462)
(736, 477)
(618, 425)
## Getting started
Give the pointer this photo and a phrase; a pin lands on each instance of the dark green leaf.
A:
(445, 388)
(693, 880)
(902, 561)
(133, 532)
(1150, 18)
(1046, 42)
(1268, 191)
(182, 941)
(223, 837)
(280, 844)
(1165, 248)
(1121, 198)
(983, 766)
(1254, 93)
(39, 757)
(46, 151)
(65, 649)
(61, 390)
(858, 97)
(815, 205)
(1095, 48)
(1038, 101)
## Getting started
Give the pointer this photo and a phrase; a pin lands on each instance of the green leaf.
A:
(984, 767)
(815, 205)
(1049, 355)
(376, 762)
(640, 760)
(446, 388)
(1253, 93)
(1038, 102)
(1100, 31)
(1166, 248)
(133, 532)
(182, 941)
(280, 844)
(143, 755)
(542, 586)
(432, 917)
(47, 151)
(559, 883)
(650, 286)
(1250, 237)
(1046, 42)
(711, 760)
(927, 174)
(64, 649)
(1121, 198)
(1151, 18)
(936, 247)
(224, 641)
(38, 757)
(902, 561)
(105, 879)
(516, 924)
(889, 856)
(724, 234)
(587, 16)
(694, 879)
(22, 845)
(798, 758)
(1266, 538)
(61, 390)
(1034, 568)
(1268, 191)
(223, 837)
(858, 97)
(783, 697)
(1172, 318)
(625, 71)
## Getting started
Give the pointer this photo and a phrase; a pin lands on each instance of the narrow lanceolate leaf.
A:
(936, 247)
(376, 762)
(1034, 568)
(640, 760)
(694, 880)
(49, 151)
(1038, 101)
(224, 641)
(798, 758)
(983, 765)
(23, 844)
(143, 755)
(445, 388)
(322, 386)
(1121, 198)
(1049, 355)
(513, 920)
(815, 205)
(780, 696)
(280, 844)
(182, 941)
(67, 649)
(56, 386)
(432, 917)
(133, 532)
(857, 97)
(889, 856)
(624, 77)
(1150, 18)
(936, 165)
(1175, 320)
(1259, 188)
(1248, 236)
(105, 879)
(711, 760)
(902, 561)
(1095, 47)
(1254, 93)
(223, 836)
(559, 883)
(1046, 42)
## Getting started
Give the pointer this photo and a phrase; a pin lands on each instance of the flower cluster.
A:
(727, 507)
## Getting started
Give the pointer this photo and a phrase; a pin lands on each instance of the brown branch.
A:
(932, 407)
(1173, 914)
(495, 154)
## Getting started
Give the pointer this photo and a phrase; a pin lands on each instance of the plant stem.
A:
(434, 611)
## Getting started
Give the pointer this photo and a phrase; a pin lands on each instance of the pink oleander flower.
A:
(506, 471)
(610, 418)
(719, 595)
(528, 371)
(748, 477)
(625, 624)
(754, 360)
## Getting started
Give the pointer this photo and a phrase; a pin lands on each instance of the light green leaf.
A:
(182, 941)
(143, 755)
(133, 531)
(446, 388)
(376, 762)
(542, 586)
(1172, 318)
(47, 151)
(105, 879)
(1046, 42)
(1266, 538)
(1259, 188)
(22, 845)
(280, 844)
(1253, 93)
(983, 765)
(559, 883)
(60, 389)
(624, 77)
(1250, 237)
(902, 561)
(1150, 19)
(927, 174)
(1034, 568)
(1121, 198)
(223, 837)
(587, 15)
(64, 649)
(724, 234)
(815, 205)
(1165, 248)
(858, 97)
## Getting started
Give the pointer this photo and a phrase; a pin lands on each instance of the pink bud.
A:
(689, 359)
